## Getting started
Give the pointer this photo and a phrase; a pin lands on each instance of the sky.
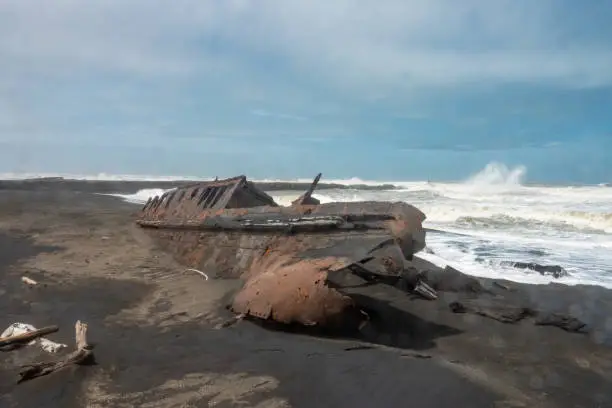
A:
(385, 90)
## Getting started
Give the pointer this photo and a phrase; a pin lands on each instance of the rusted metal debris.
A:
(295, 291)
(231, 229)
(307, 198)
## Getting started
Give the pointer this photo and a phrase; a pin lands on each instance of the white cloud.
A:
(326, 61)
(414, 43)
(393, 42)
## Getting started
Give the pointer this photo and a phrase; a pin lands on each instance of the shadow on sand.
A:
(388, 326)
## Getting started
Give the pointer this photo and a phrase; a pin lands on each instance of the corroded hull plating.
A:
(225, 245)
(229, 229)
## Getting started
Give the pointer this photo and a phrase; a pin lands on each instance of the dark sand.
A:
(156, 343)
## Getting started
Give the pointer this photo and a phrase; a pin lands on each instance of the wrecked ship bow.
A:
(286, 256)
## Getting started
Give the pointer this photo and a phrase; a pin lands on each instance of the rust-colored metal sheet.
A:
(289, 291)
(204, 198)
(307, 198)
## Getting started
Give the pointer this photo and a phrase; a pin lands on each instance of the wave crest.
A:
(521, 219)
(498, 174)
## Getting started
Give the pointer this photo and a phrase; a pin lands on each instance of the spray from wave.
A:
(498, 174)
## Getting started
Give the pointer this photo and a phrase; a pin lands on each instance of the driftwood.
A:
(9, 343)
(83, 355)
(28, 281)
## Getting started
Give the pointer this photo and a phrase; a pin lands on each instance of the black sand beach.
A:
(153, 325)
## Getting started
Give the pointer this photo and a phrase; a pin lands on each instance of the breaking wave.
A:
(498, 174)
(522, 217)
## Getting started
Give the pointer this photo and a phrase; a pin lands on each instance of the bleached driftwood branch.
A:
(28, 281)
(83, 355)
(9, 343)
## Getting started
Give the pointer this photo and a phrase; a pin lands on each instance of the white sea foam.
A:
(98, 176)
(141, 196)
(493, 217)
(490, 218)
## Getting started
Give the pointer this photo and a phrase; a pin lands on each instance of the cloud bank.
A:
(470, 74)
(439, 42)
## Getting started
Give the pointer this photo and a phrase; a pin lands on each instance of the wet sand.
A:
(153, 325)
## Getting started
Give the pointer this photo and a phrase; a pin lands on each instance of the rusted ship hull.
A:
(229, 229)
(226, 245)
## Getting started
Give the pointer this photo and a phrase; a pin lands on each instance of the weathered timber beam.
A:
(252, 227)
(27, 337)
(306, 198)
(277, 222)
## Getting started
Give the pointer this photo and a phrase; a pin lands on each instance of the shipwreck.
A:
(286, 255)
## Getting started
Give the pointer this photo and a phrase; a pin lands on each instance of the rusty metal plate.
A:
(295, 291)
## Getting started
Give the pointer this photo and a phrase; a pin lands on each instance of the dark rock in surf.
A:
(567, 323)
(555, 271)
(500, 312)
(448, 279)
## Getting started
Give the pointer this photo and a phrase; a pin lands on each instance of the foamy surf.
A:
(141, 196)
(492, 218)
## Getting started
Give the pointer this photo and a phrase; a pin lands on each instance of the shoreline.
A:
(154, 326)
(367, 184)
(130, 187)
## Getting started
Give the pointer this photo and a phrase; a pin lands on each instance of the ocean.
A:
(479, 225)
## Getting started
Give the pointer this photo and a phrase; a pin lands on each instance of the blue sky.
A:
(394, 89)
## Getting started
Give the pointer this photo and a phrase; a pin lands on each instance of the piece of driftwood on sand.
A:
(13, 342)
(83, 355)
